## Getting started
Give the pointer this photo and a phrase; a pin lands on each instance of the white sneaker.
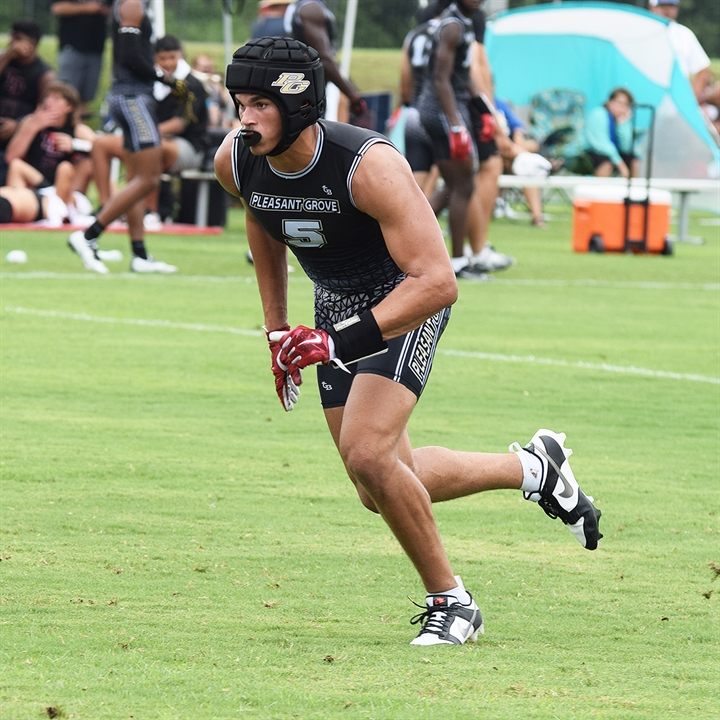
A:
(109, 255)
(81, 204)
(512, 214)
(489, 259)
(500, 207)
(152, 221)
(78, 244)
(151, 265)
(472, 272)
(447, 622)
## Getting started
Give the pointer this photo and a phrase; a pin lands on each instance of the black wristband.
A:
(357, 338)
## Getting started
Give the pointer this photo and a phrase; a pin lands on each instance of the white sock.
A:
(532, 471)
(458, 263)
(459, 593)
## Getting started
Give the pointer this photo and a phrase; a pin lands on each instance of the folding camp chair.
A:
(556, 122)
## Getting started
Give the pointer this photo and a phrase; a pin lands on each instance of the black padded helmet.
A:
(287, 72)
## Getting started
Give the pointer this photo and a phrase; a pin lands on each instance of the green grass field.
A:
(175, 546)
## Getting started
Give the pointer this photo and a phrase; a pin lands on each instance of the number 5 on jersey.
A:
(304, 233)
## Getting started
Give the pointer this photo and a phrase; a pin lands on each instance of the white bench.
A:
(684, 187)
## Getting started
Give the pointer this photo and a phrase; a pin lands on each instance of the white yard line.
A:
(494, 357)
(611, 284)
(132, 321)
(604, 367)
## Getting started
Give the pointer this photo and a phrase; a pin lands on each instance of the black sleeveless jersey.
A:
(460, 76)
(341, 249)
(294, 27)
(124, 80)
(418, 45)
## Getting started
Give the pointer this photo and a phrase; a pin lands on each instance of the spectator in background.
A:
(82, 30)
(711, 103)
(182, 120)
(26, 205)
(310, 22)
(50, 143)
(693, 60)
(23, 79)
(217, 95)
(511, 143)
(269, 21)
(608, 136)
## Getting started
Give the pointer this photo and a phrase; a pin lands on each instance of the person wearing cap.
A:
(270, 19)
(693, 60)
(344, 201)
(312, 23)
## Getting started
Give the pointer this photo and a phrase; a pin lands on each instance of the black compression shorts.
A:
(408, 361)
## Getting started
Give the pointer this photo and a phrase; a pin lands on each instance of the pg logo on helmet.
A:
(291, 83)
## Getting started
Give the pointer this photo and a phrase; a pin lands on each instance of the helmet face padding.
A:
(285, 71)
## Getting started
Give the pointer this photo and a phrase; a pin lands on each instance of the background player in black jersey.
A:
(420, 150)
(345, 201)
(312, 23)
(133, 107)
(445, 108)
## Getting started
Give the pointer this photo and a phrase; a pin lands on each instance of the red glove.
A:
(304, 346)
(460, 143)
(287, 380)
(488, 128)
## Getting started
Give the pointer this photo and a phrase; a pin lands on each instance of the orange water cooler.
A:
(605, 220)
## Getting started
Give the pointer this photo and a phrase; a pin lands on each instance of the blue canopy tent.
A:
(592, 48)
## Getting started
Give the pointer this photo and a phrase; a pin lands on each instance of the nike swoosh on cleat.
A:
(567, 491)
(567, 488)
